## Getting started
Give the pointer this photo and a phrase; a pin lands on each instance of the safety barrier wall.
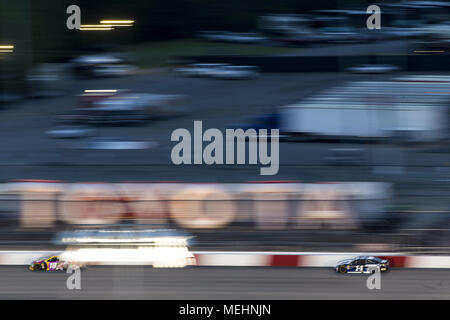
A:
(264, 259)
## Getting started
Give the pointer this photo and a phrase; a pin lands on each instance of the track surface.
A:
(136, 282)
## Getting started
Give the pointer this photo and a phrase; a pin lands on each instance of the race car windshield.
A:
(377, 259)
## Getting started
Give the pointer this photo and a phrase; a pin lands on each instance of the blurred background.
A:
(86, 118)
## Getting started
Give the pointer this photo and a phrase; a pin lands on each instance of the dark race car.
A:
(362, 264)
(52, 263)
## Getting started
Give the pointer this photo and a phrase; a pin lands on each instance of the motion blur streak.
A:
(117, 21)
(96, 29)
(363, 118)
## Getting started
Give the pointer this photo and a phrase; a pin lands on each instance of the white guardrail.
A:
(262, 259)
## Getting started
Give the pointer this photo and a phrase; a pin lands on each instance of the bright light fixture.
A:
(117, 21)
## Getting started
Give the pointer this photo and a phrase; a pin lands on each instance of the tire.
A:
(43, 266)
(342, 269)
(36, 267)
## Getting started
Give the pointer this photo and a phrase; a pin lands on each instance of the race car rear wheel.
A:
(342, 269)
(43, 266)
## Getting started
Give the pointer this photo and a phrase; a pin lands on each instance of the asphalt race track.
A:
(138, 282)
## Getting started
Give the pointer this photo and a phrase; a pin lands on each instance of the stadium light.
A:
(117, 22)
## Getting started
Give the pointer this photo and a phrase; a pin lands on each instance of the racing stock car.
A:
(52, 263)
(362, 264)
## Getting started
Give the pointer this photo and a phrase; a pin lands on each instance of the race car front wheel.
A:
(342, 269)
(35, 267)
